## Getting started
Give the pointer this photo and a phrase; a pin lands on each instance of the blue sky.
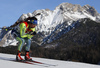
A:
(11, 10)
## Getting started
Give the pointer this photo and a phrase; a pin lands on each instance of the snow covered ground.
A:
(5, 63)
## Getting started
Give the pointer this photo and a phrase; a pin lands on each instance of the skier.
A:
(25, 31)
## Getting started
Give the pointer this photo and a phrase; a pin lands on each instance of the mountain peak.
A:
(85, 11)
(91, 10)
(70, 7)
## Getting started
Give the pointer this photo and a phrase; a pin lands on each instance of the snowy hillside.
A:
(6, 63)
(49, 22)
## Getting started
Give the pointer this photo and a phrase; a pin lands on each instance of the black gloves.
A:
(32, 33)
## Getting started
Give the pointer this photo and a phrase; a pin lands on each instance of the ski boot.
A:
(18, 57)
(27, 57)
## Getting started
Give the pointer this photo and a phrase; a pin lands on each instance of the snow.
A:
(78, 15)
(11, 42)
(5, 63)
(89, 16)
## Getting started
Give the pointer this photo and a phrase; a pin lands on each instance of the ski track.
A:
(5, 63)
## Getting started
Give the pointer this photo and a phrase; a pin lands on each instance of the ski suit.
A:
(24, 37)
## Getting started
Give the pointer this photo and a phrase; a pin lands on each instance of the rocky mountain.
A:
(6, 38)
(85, 32)
(54, 24)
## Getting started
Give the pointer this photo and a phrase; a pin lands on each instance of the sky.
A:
(11, 10)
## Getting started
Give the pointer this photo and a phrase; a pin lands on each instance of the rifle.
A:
(7, 28)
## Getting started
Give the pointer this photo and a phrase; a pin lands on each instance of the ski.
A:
(27, 62)
(42, 63)
(34, 63)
